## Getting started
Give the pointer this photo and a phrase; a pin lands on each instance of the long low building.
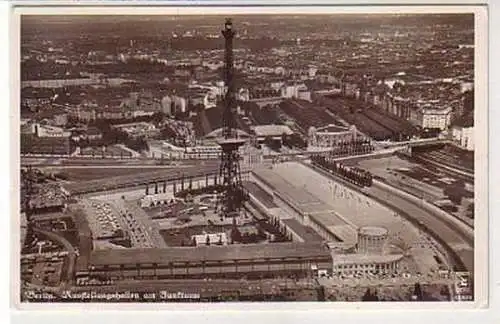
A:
(307, 208)
(362, 263)
(231, 261)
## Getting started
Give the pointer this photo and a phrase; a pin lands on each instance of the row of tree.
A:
(416, 295)
(354, 175)
(294, 140)
(156, 188)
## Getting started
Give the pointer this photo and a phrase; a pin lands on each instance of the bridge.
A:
(385, 148)
(418, 142)
(406, 147)
(261, 102)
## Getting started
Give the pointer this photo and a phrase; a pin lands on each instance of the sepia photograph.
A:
(244, 156)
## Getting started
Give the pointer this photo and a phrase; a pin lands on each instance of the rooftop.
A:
(332, 129)
(272, 130)
(305, 232)
(209, 253)
(365, 258)
(307, 203)
(373, 230)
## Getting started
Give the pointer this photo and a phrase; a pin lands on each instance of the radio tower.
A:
(233, 194)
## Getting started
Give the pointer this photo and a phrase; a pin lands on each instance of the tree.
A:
(470, 210)
(417, 291)
(168, 133)
(455, 192)
(370, 296)
(235, 234)
(157, 117)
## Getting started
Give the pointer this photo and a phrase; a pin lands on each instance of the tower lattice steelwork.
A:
(233, 194)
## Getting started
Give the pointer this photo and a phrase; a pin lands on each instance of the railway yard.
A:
(122, 218)
(141, 211)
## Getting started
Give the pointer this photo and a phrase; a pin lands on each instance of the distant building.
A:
(207, 99)
(114, 113)
(139, 104)
(350, 89)
(252, 156)
(434, 118)
(137, 129)
(398, 106)
(210, 239)
(213, 65)
(59, 83)
(56, 143)
(83, 113)
(273, 131)
(179, 104)
(372, 239)
(40, 130)
(93, 133)
(466, 86)
(346, 264)
(166, 105)
(279, 70)
(229, 261)
(244, 94)
(262, 96)
(463, 132)
(152, 200)
(277, 85)
(304, 95)
(312, 72)
(464, 136)
(61, 119)
(221, 88)
(34, 102)
(292, 91)
(331, 135)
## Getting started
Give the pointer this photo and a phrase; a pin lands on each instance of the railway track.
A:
(450, 237)
(447, 169)
(450, 161)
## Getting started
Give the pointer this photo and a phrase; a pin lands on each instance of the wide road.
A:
(453, 171)
(451, 236)
(116, 166)
(63, 163)
(71, 254)
(441, 230)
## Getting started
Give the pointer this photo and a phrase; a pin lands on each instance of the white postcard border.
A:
(481, 129)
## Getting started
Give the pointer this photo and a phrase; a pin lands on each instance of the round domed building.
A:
(372, 239)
